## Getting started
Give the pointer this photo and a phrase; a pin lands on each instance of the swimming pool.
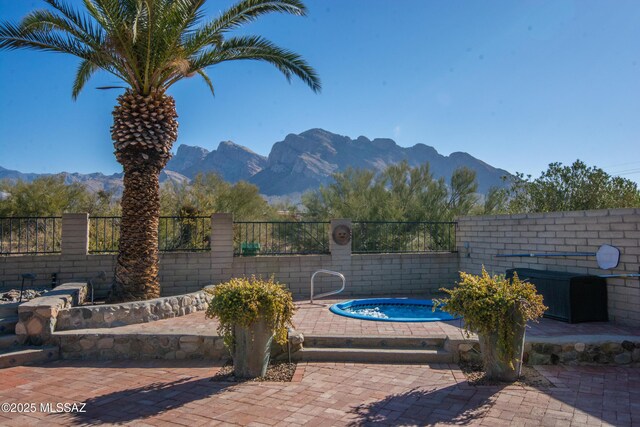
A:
(391, 310)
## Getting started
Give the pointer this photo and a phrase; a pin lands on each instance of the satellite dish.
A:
(608, 257)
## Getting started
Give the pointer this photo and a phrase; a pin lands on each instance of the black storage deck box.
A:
(571, 297)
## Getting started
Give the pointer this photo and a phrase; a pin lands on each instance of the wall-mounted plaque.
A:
(341, 235)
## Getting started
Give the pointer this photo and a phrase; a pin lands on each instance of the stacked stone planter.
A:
(579, 350)
(113, 315)
(37, 318)
(603, 351)
(83, 344)
(92, 332)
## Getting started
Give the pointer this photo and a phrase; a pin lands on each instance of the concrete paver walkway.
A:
(324, 394)
(316, 319)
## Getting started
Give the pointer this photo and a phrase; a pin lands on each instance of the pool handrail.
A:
(332, 273)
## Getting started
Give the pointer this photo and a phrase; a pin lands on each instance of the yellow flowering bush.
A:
(493, 304)
(243, 301)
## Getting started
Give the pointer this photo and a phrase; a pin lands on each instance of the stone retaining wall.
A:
(140, 347)
(605, 351)
(125, 346)
(587, 350)
(112, 315)
(37, 318)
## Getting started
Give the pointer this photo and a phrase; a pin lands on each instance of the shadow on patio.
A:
(580, 394)
(136, 404)
(459, 404)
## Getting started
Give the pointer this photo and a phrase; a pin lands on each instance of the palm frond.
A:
(15, 37)
(153, 43)
(239, 14)
(257, 48)
(84, 73)
(80, 20)
(250, 10)
(116, 17)
(207, 80)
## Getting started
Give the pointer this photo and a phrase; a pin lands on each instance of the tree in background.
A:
(402, 197)
(495, 202)
(208, 194)
(149, 46)
(399, 193)
(569, 188)
(51, 196)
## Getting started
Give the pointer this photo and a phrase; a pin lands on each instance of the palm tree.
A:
(149, 45)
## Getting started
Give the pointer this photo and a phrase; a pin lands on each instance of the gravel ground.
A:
(279, 372)
(530, 377)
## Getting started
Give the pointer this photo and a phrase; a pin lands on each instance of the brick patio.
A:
(316, 319)
(160, 392)
(181, 393)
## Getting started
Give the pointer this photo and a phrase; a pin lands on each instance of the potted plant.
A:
(497, 309)
(252, 312)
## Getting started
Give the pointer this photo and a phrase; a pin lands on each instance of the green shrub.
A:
(489, 304)
(243, 301)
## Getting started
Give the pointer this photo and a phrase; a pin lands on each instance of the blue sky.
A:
(518, 84)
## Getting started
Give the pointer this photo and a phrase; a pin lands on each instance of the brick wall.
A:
(184, 272)
(380, 274)
(480, 239)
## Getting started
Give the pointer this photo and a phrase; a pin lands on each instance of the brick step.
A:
(8, 325)
(9, 309)
(8, 341)
(28, 355)
(374, 342)
(365, 355)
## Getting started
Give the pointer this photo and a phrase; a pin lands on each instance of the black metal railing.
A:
(280, 238)
(30, 235)
(104, 234)
(184, 234)
(43, 235)
(403, 237)
(175, 234)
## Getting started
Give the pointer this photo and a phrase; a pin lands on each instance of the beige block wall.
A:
(382, 274)
(366, 275)
(580, 231)
(184, 272)
(180, 272)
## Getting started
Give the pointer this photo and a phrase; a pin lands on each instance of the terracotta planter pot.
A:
(496, 368)
(252, 350)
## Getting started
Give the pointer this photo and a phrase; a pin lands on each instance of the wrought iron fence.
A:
(175, 234)
(184, 234)
(30, 235)
(280, 238)
(402, 237)
(104, 234)
(42, 235)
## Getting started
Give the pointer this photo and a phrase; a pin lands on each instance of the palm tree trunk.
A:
(143, 132)
(137, 265)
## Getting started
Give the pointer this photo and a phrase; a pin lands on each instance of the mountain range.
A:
(296, 164)
(306, 161)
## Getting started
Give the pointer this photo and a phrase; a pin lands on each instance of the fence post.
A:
(221, 246)
(340, 253)
(75, 234)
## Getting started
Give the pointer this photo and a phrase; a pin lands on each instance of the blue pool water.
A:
(391, 310)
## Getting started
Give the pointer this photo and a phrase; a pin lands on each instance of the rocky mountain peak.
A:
(186, 156)
(231, 161)
(299, 162)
